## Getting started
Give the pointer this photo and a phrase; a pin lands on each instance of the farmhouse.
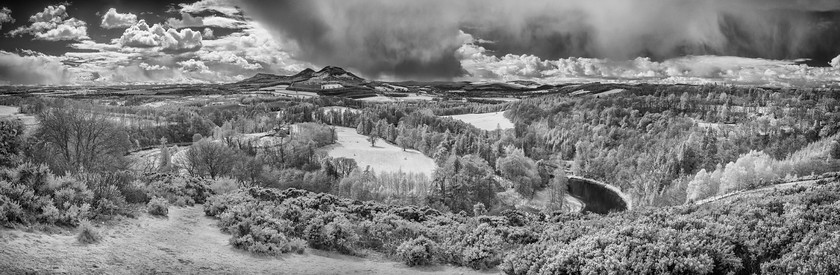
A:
(331, 85)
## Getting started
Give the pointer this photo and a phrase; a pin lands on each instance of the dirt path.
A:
(187, 242)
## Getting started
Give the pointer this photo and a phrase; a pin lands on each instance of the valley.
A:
(407, 177)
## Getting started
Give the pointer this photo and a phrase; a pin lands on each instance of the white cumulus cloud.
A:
(193, 65)
(208, 33)
(141, 35)
(5, 16)
(225, 7)
(481, 64)
(113, 19)
(53, 24)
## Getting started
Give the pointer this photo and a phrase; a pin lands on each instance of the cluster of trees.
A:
(756, 169)
(652, 140)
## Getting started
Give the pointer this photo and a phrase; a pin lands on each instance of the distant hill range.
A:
(336, 81)
(306, 79)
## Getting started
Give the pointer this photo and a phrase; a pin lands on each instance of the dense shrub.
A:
(178, 190)
(785, 231)
(325, 221)
(419, 251)
(158, 207)
(11, 141)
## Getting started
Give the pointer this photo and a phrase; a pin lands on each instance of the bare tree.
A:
(209, 158)
(71, 140)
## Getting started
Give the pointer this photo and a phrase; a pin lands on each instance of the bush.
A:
(756, 235)
(178, 190)
(223, 185)
(419, 251)
(332, 231)
(11, 142)
(158, 207)
(87, 233)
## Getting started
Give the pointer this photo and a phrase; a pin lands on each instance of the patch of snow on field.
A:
(385, 157)
(487, 121)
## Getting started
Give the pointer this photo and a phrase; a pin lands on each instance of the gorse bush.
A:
(786, 231)
(87, 233)
(178, 190)
(419, 251)
(30, 194)
(269, 217)
(158, 207)
(11, 141)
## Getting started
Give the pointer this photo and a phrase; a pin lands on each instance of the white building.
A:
(330, 86)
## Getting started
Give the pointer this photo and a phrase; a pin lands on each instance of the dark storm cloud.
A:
(376, 37)
(419, 38)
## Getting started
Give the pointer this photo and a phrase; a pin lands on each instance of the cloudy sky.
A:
(104, 42)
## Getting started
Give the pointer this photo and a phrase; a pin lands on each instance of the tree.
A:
(558, 188)
(165, 163)
(344, 166)
(463, 181)
(372, 139)
(402, 142)
(702, 186)
(521, 170)
(196, 137)
(248, 170)
(835, 149)
(209, 158)
(69, 140)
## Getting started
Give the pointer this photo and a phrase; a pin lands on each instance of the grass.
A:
(487, 121)
(384, 157)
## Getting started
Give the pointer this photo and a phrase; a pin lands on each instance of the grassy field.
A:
(487, 121)
(384, 157)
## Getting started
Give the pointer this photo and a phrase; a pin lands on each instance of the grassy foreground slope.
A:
(186, 242)
(790, 231)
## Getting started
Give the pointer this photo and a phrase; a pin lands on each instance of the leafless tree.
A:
(70, 140)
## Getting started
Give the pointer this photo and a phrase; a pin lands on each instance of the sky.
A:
(117, 42)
